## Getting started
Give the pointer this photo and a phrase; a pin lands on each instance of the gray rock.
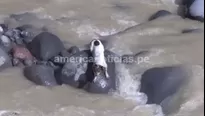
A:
(40, 75)
(161, 84)
(3, 28)
(16, 62)
(78, 73)
(45, 46)
(194, 9)
(23, 16)
(6, 43)
(74, 50)
(73, 72)
(159, 14)
(14, 35)
(28, 32)
(5, 61)
(100, 84)
(28, 62)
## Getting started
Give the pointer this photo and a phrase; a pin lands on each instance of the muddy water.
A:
(77, 23)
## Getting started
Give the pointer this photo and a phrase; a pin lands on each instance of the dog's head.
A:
(96, 46)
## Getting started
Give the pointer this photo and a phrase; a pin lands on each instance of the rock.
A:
(64, 53)
(22, 53)
(73, 72)
(28, 62)
(161, 13)
(192, 31)
(41, 75)
(74, 50)
(6, 43)
(100, 84)
(46, 46)
(16, 62)
(5, 61)
(78, 73)
(195, 9)
(14, 35)
(161, 84)
(28, 32)
(24, 16)
(3, 28)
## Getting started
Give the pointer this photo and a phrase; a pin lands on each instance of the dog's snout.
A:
(96, 43)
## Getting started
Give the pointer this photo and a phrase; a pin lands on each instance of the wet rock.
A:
(159, 14)
(161, 84)
(28, 62)
(64, 53)
(16, 62)
(40, 75)
(46, 46)
(6, 43)
(23, 16)
(192, 31)
(73, 50)
(47, 63)
(5, 61)
(28, 32)
(22, 53)
(78, 73)
(100, 84)
(194, 9)
(73, 72)
(3, 28)
(14, 35)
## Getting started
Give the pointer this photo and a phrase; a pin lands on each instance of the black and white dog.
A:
(99, 64)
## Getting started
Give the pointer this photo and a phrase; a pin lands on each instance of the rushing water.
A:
(77, 22)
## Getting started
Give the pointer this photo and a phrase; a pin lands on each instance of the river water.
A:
(77, 23)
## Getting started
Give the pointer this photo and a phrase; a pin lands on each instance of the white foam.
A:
(129, 85)
(157, 109)
(90, 30)
(8, 113)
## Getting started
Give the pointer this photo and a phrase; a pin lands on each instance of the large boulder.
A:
(73, 72)
(77, 72)
(195, 9)
(40, 75)
(45, 46)
(162, 83)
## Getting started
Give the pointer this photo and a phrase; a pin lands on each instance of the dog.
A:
(99, 65)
